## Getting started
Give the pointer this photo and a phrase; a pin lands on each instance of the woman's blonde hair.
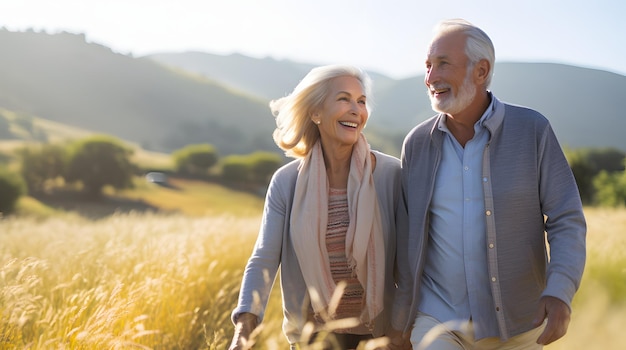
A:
(295, 131)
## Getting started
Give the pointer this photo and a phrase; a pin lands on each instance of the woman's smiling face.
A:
(343, 114)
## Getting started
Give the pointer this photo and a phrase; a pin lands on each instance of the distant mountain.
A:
(62, 78)
(267, 78)
(582, 104)
(166, 101)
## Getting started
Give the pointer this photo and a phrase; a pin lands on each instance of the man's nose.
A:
(430, 77)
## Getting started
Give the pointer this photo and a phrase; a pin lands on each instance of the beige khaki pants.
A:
(430, 334)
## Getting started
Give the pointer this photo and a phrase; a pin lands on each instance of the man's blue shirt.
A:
(456, 262)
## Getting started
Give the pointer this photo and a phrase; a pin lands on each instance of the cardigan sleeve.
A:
(263, 264)
(565, 224)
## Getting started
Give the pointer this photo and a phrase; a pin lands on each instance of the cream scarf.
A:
(365, 248)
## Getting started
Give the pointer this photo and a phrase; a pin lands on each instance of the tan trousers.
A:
(430, 334)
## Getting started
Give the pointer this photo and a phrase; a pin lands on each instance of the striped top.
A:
(352, 301)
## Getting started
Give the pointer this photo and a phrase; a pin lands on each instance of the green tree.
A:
(42, 164)
(12, 187)
(610, 188)
(588, 163)
(100, 161)
(236, 169)
(250, 171)
(583, 172)
(263, 165)
(195, 159)
(609, 159)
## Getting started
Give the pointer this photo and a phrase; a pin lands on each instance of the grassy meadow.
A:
(141, 278)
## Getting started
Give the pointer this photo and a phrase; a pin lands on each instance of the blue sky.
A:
(387, 36)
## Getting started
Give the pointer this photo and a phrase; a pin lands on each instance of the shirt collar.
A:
(489, 112)
(480, 124)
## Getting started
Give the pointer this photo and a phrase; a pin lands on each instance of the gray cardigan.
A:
(273, 248)
(526, 177)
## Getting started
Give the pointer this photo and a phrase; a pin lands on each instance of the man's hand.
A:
(558, 314)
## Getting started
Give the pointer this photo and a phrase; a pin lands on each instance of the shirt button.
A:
(488, 213)
(466, 168)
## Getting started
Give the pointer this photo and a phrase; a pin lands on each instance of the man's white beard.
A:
(455, 104)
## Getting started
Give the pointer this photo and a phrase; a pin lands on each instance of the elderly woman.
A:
(330, 219)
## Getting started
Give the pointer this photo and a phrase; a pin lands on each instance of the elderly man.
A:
(485, 183)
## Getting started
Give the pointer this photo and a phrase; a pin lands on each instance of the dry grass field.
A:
(170, 280)
(599, 308)
(128, 281)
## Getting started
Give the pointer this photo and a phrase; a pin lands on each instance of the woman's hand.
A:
(246, 323)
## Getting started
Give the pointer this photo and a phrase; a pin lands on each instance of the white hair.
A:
(478, 45)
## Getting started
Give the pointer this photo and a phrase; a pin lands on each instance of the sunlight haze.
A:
(387, 37)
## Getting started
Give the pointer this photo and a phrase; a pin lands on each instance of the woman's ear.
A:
(316, 118)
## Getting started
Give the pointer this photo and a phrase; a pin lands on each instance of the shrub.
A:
(12, 187)
(236, 169)
(40, 165)
(610, 189)
(100, 161)
(263, 165)
(195, 159)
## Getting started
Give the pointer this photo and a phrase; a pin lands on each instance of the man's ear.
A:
(482, 69)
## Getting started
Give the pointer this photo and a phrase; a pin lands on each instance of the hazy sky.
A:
(386, 36)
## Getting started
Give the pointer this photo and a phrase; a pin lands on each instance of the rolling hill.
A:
(62, 78)
(165, 101)
(569, 96)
